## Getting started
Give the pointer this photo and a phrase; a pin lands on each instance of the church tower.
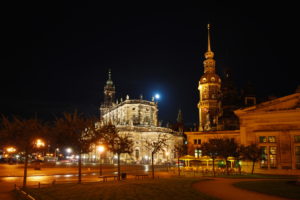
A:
(109, 95)
(210, 92)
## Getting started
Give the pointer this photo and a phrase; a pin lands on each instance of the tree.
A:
(156, 146)
(227, 148)
(76, 131)
(23, 134)
(239, 156)
(252, 153)
(180, 150)
(116, 143)
(211, 149)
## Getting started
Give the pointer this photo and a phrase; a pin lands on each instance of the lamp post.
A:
(39, 144)
(100, 148)
(10, 151)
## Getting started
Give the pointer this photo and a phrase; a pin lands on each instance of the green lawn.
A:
(259, 176)
(158, 189)
(282, 188)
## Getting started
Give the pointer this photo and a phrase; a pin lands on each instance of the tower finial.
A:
(109, 74)
(208, 38)
(109, 81)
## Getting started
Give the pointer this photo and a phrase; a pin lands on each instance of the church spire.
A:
(209, 54)
(109, 81)
(208, 38)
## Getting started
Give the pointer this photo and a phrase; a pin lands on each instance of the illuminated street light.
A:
(39, 143)
(69, 150)
(101, 149)
(11, 149)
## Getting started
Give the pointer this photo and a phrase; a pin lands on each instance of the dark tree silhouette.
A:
(180, 150)
(252, 153)
(76, 131)
(227, 148)
(156, 145)
(23, 134)
(211, 149)
(116, 143)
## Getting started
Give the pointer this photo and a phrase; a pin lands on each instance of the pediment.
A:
(290, 102)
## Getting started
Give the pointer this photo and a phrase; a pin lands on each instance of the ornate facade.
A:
(138, 119)
(273, 125)
(210, 92)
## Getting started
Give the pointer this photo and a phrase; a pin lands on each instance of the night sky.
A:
(57, 56)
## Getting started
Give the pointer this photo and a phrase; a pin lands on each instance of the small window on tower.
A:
(133, 108)
(204, 79)
(213, 79)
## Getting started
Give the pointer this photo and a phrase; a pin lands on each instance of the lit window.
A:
(262, 139)
(297, 138)
(197, 141)
(273, 150)
(198, 153)
(272, 139)
(204, 79)
(264, 157)
(273, 159)
(213, 79)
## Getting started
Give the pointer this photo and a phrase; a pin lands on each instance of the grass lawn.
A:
(258, 176)
(282, 188)
(158, 189)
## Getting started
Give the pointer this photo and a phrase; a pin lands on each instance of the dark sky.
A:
(57, 55)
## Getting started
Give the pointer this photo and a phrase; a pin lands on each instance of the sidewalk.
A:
(222, 188)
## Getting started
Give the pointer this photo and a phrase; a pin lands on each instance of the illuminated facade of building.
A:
(273, 125)
(138, 119)
(210, 93)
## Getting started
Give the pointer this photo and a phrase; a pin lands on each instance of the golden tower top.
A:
(209, 53)
(209, 62)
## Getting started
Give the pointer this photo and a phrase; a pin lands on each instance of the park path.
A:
(222, 188)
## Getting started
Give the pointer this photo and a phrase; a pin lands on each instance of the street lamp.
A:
(69, 150)
(100, 148)
(39, 143)
(11, 149)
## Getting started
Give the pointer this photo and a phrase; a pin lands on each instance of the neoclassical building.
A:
(137, 118)
(273, 125)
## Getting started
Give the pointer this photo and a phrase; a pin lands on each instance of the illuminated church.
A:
(137, 118)
(273, 125)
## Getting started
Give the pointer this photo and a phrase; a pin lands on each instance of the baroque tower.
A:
(109, 95)
(210, 92)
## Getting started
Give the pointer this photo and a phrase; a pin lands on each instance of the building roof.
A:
(290, 102)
